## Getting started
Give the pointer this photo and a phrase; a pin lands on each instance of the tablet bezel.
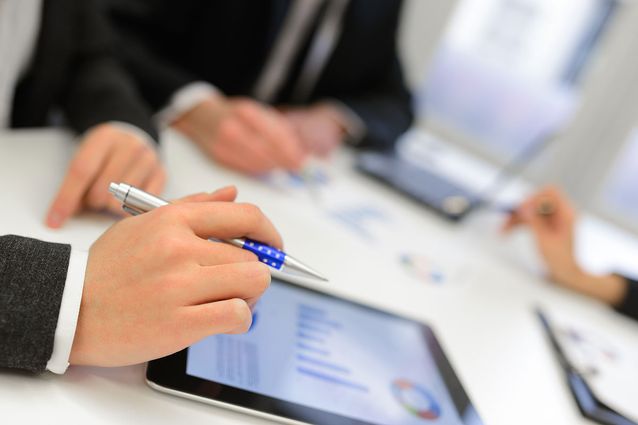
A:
(169, 374)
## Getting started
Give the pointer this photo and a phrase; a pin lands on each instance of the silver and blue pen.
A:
(136, 201)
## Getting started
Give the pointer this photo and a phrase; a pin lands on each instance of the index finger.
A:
(225, 194)
(512, 221)
(82, 171)
(225, 220)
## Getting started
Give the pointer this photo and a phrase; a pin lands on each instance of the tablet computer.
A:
(427, 187)
(310, 357)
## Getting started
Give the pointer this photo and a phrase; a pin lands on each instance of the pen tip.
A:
(299, 266)
(316, 274)
(113, 188)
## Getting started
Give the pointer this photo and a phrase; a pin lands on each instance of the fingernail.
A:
(55, 219)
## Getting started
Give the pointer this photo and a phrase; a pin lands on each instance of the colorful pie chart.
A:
(416, 399)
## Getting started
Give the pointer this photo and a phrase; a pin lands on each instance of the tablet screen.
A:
(315, 350)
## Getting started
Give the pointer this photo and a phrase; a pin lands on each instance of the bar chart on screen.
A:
(314, 359)
(328, 354)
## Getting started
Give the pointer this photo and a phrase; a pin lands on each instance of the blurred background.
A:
(494, 77)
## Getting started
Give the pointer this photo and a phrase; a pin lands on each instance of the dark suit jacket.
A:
(75, 70)
(629, 306)
(168, 44)
(32, 278)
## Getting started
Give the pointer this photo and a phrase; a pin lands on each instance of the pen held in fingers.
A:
(136, 201)
(546, 208)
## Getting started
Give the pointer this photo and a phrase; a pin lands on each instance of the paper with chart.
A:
(368, 218)
(608, 363)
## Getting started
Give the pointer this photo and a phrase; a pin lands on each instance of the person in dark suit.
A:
(554, 235)
(150, 286)
(57, 65)
(212, 68)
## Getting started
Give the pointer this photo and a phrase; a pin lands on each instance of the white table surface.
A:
(487, 326)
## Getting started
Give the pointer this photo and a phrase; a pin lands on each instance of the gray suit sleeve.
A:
(32, 278)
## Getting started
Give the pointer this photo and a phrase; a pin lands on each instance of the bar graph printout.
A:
(321, 352)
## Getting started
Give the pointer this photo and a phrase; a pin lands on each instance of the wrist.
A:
(608, 288)
(568, 274)
(201, 122)
(136, 132)
(185, 99)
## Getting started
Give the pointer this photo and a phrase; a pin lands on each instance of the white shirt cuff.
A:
(185, 99)
(69, 312)
(136, 131)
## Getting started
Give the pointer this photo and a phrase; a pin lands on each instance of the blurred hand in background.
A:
(243, 134)
(107, 154)
(320, 128)
(551, 218)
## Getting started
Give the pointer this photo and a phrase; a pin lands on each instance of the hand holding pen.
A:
(154, 285)
(548, 206)
(551, 218)
(135, 201)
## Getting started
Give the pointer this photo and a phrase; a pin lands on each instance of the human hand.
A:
(553, 232)
(154, 284)
(106, 154)
(243, 134)
(554, 236)
(320, 128)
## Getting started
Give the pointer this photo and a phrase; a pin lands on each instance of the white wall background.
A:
(583, 157)
(422, 26)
